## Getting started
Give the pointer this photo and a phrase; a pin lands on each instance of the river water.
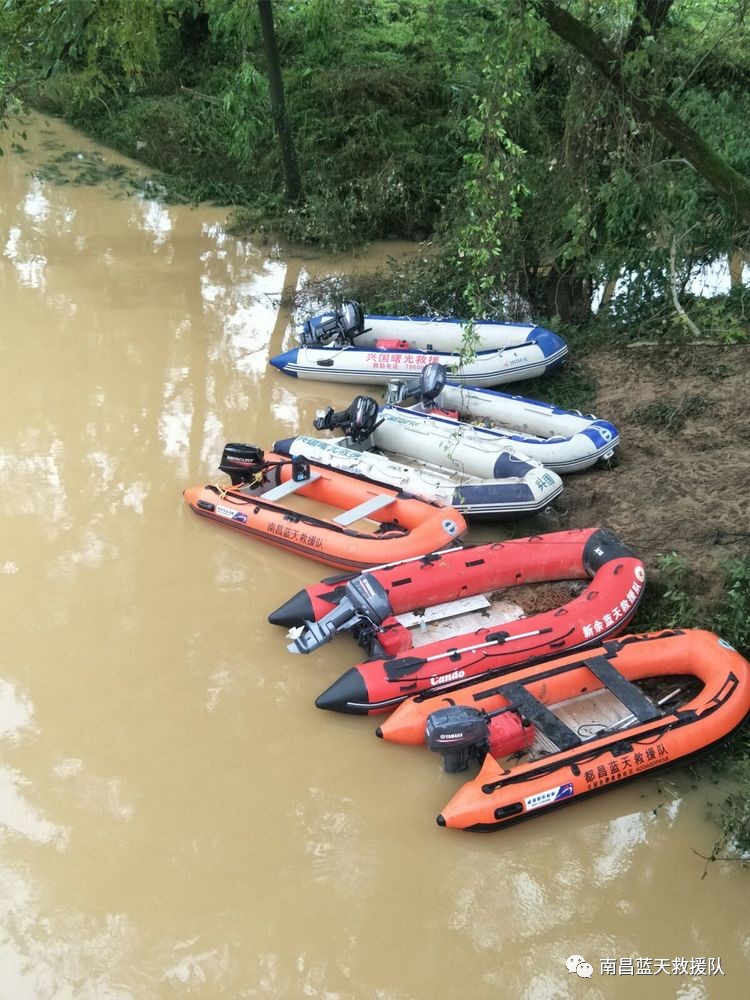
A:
(176, 818)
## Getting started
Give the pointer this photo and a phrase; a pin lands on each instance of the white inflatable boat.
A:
(522, 488)
(347, 346)
(396, 447)
(563, 440)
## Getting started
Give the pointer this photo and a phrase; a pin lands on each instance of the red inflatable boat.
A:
(455, 573)
(617, 579)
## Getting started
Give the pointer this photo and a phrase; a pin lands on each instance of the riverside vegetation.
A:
(584, 172)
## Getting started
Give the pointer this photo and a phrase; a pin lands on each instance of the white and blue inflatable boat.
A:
(519, 488)
(562, 440)
(396, 448)
(344, 345)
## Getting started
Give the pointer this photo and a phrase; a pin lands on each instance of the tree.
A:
(728, 183)
(278, 107)
(567, 187)
(103, 41)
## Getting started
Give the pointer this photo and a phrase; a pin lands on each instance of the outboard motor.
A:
(365, 602)
(351, 320)
(338, 326)
(357, 421)
(241, 462)
(423, 390)
(461, 733)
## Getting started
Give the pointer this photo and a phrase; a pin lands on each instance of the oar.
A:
(634, 718)
(406, 664)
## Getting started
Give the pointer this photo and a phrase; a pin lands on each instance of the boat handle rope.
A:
(254, 480)
(582, 758)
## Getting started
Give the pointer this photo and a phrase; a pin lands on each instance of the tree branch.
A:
(648, 18)
(673, 285)
(727, 182)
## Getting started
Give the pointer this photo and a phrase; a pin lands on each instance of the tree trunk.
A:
(736, 267)
(278, 107)
(610, 287)
(561, 293)
(727, 182)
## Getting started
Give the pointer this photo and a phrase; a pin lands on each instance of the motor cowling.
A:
(357, 421)
(241, 462)
(351, 319)
(337, 326)
(462, 733)
(365, 603)
(423, 390)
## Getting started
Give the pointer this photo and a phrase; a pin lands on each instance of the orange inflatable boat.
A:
(405, 527)
(584, 724)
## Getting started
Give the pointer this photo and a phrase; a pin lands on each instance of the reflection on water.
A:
(176, 818)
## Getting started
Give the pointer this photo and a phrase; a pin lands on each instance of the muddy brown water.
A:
(176, 818)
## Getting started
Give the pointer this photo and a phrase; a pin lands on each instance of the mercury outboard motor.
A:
(365, 602)
(357, 421)
(241, 462)
(338, 326)
(423, 390)
(461, 733)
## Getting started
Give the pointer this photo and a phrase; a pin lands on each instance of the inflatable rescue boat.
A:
(562, 440)
(403, 526)
(487, 482)
(344, 345)
(585, 724)
(474, 639)
(525, 488)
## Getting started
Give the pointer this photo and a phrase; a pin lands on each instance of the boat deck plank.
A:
(290, 486)
(362, 510)
(585, 715)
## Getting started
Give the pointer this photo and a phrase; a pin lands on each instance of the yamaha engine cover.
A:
(337, 326)
(351, 320)
(431, 382)
(423, 390)
(458, 733)
(357, 421)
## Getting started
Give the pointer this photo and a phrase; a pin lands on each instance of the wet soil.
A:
(682, 480)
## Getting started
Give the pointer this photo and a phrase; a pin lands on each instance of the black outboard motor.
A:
(458, 733)
(241, 462)
(365, 602)
(340, 326)
(351, 320)
(357, 421)
(423, 390)
(461, 732)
